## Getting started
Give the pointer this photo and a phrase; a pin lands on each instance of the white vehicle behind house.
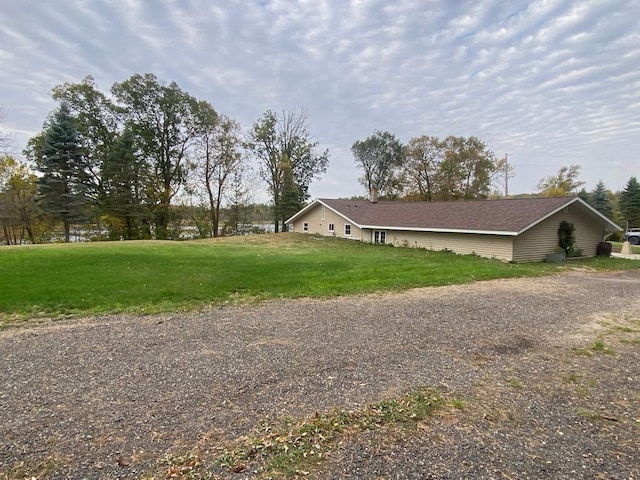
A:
(632, 236)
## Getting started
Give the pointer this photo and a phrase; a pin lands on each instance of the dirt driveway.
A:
(548, 370)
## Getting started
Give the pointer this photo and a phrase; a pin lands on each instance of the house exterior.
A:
(514, 229)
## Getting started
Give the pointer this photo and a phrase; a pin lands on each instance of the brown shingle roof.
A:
(504, 215)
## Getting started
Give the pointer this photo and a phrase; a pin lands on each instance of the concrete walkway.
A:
(628, 256)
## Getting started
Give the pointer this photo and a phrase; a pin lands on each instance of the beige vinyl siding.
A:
(319, 226)
(490, 246)
(534, 244)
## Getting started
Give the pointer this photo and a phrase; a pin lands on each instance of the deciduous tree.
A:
(282, 144)
(423, 156)
(5, 138)
(379, 156)
(97, 120)
(467, 169)
(218, 156)
(163, 120)
(18, 187)
(239, 198)
(503, 172)
(564, 183)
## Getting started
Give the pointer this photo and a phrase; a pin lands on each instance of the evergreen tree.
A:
(599, 199)
(62, 189)
(630, 202)
(586, 196)
(124, 177)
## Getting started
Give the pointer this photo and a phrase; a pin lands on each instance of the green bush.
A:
(566, 237)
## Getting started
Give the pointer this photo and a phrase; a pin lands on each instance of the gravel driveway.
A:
(108, 397)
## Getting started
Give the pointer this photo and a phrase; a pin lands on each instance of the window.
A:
(331, 227)
(379, 236)
(347, 230)
(322, 213)
(305, 227)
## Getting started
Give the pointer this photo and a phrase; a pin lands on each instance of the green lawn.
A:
(155, 276)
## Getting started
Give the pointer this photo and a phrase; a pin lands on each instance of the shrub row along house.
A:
(515, 230)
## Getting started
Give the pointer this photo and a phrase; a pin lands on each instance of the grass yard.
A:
(154, 276)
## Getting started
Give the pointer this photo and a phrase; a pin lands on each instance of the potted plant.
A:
(566, 239)
(556, 257)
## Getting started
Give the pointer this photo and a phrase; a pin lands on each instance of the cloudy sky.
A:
(549, 82)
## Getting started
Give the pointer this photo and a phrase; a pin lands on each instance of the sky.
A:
(548, 83)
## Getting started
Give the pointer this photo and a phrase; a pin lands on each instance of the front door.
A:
(379, 236)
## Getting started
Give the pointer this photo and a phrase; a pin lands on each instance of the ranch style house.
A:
(513, 229)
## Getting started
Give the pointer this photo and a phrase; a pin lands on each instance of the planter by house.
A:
(554, 257)
(604, 249)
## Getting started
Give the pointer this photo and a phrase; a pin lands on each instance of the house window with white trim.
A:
(305, 227)
(347, 230)
(380, 236)
(331, 227)
(322, 213)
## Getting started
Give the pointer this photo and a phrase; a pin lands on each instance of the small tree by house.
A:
(567, 238)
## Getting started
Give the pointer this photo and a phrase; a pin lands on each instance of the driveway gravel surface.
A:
(548, 370)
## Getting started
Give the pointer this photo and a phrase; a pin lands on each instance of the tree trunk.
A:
(30, 234)
(67, 228)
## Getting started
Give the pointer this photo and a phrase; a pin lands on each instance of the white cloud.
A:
(550, 82)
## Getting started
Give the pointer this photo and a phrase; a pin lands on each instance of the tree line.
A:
(457, 168)
(146, 159)
(428, 168)
(123, 159)
(622, 207)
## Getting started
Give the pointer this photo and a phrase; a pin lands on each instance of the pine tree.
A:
(599, 199)
(630, 202)
(62, 189)
(124, 175)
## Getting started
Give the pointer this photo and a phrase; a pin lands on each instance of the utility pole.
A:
(506, 175)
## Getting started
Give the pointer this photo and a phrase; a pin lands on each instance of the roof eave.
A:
(319, 201)
(441, 230)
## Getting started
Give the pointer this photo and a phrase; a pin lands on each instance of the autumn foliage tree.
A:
(18, 212)
(450, 169)
(564, 183)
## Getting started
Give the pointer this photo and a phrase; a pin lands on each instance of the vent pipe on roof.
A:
(373, 195)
